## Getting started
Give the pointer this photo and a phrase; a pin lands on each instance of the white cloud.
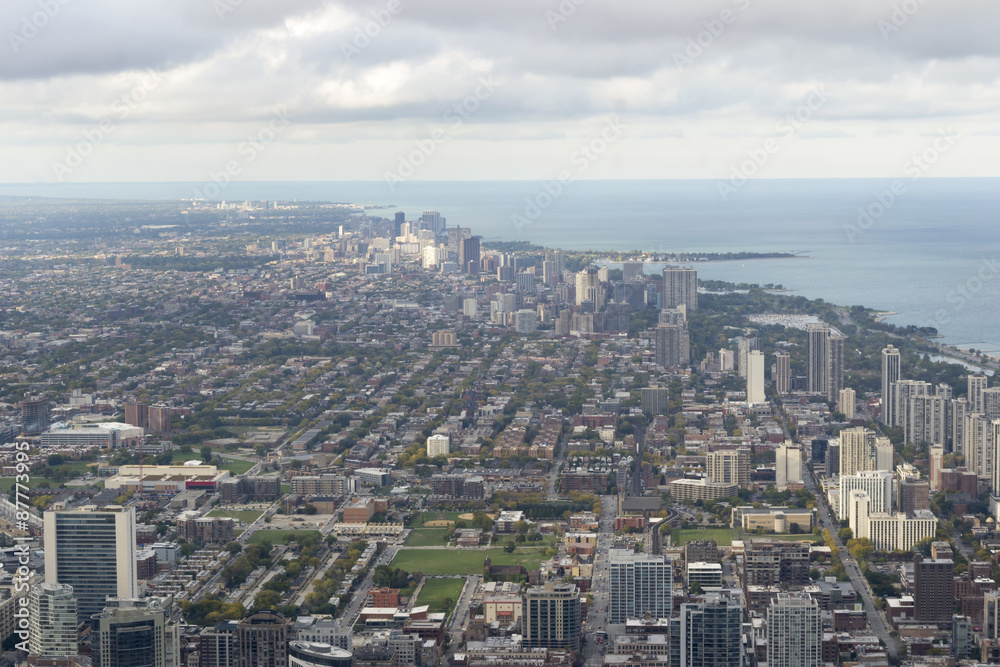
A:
(222, 78)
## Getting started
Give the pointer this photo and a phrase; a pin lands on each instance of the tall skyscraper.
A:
(826, 361)
(433, 221)
(680, 287)
(846, 402)
(979, 445)
(262, 640)
(589, 288)
(890, 375)
(788, 465)
(745, 345)
(667, 338)
(398, 222)
(959, 411)
(782, 373)
(35, 411)
(632, 271)
(976, 387)
(710, 632)
(961, 636)
(991, 615)
(52, 620)
(217, 645)
(137, 414)
(640, 584)
(819, 334)
(93, 550)
(857, 450)
(834, 366)
(794, 632)
(876, 483)
(655, 400)
(755, 378)
(729, 466)
(550, 276)
(933, 589)
(134, 633)
(551, 617)
(468, 255)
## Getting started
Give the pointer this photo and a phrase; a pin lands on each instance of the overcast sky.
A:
(172, 90)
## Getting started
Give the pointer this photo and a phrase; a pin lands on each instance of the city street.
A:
(875, 618)
(600, 594)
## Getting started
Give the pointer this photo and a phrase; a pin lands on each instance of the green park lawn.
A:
(427, 537)
(278, 535)
(236, 466)
(435, 591)
(722, 536)
(464, 562)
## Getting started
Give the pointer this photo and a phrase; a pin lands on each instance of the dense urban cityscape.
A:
(304, 434)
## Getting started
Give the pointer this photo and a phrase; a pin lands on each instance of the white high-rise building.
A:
(726, 360)
(959, 411)
(859, 505)
(976, 384)
(788, 465)
(876, 483)
(729, 466)
(526, 321)
(995, 477)
(470, 307)
(640, 584)
(93, 550)
(890, 375)
(680, 287)
(888, 531)
(438, 444)
(755, 378)
(860, 449)
(794, 631)
(846, 402)
(978, 435)
(52, 620)
(899, 532)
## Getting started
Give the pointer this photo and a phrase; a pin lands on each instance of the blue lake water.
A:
(929, 256)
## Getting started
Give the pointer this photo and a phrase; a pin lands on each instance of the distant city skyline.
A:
(311, 90)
